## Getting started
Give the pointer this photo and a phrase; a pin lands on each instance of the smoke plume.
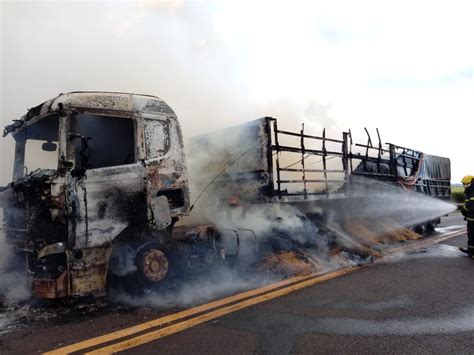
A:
(14, 284)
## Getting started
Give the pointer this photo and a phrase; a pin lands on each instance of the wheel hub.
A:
(155, 265)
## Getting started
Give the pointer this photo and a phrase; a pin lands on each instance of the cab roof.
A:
(98, 101)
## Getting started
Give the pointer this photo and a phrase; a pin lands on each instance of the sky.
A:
(405, 67)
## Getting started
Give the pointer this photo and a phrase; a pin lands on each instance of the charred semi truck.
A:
(93, 170)
(100, 181)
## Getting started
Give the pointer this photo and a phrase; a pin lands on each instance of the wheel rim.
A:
(155, 265)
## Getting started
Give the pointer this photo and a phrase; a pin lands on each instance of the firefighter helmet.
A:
(467, 180)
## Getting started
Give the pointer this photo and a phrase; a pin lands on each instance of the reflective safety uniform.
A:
(468, 213)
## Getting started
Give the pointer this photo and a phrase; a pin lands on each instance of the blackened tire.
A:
(154, 264)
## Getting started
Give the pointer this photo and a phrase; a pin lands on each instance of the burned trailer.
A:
(259, 163)
(95, 173)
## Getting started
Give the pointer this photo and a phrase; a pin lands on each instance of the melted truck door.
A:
(167, 191)
(106, 188)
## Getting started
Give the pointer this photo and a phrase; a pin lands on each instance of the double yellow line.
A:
(158, 328)
(177, 322)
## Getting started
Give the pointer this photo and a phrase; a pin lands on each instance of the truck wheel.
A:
(430, 227)
(419, 229)
(153, 264)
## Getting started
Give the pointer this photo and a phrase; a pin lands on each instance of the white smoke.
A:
(14, 284)
(219, 282)
(171, 49)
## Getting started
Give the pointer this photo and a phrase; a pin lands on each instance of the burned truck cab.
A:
(94, 172)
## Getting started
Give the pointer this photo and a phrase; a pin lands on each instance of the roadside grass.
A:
(457, 188)
(457, 194)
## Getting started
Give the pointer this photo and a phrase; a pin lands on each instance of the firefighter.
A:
(468, 213)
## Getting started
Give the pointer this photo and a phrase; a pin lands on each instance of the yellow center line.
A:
(175, 328)
(292, 284)
(172, 317)
(178, 327)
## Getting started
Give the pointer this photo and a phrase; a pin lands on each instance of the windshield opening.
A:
(41, 144)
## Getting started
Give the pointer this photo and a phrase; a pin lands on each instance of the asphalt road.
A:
(421, 302)
(418, 303)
